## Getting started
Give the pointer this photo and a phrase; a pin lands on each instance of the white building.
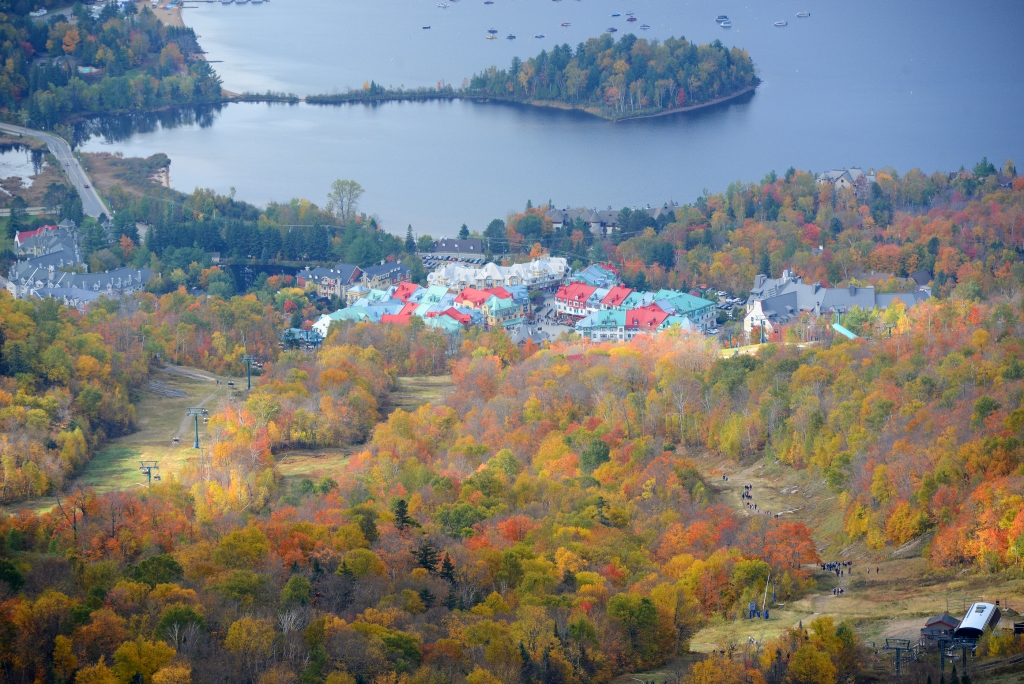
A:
(536, 275)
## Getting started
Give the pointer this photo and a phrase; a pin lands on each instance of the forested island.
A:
(117, 61)
(619, 80)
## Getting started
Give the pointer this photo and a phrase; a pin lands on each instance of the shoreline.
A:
(166, 16)
(358, 98)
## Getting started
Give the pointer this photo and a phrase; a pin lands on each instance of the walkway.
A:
(92, 203)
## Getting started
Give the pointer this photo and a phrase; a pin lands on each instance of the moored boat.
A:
(565, 23)
(645, 26)
(803, 15)
(611, 29)
(781, 23)
(631, 19)
(726, 24)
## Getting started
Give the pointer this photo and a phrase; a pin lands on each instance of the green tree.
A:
(425, 243)
(426, 556)
(596, 453)
(463, 232)
(297, 591)
(410, 241)
(343, 199)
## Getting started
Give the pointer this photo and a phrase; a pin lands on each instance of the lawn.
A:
(412, 392)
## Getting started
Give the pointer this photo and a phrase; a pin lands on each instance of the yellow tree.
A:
(71, 40)
(141, 657)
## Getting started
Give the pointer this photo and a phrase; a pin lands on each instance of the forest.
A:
(624, 78)
(119, 61)
(549, 521)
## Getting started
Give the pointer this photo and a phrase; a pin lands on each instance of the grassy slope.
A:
(892, 603)
(159, 419)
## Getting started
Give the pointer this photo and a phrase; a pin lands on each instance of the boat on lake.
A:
(726, 24)
(426, 27)
(492, 37)
(803, 14)
(630, 13)
(488, 2)
(611, 29)
(645, 26)
(565, 23)
(616, 14)
(721, 17)
(443, 5)
(539, 35)
(631, 19)
(492, 31)
(226, 2)
(510, 37)
(781, 23)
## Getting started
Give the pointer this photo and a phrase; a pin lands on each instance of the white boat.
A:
(803, 14)
(645, 26)
(616, 14)
(443, 5)
(611, 29)
(539, 35)
(490, 37)
(629, 14)
(726, 24)
(565, 23)
(781, 23)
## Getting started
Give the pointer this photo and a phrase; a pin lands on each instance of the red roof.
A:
(406, 290)
(407, 309)
(575, 293)
(472, 297)
(645, 318)
(463, 318)
(396, 318)
(499, 292)
(616, 295)
(23, 235)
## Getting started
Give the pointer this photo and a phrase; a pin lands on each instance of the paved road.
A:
(92, 205)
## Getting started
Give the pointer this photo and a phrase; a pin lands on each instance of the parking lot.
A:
(432, 261)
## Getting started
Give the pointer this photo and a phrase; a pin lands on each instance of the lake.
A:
(934, 85)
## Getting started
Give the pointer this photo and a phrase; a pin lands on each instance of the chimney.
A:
(853, 290)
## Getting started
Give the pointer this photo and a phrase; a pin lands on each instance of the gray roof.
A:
(452, 246)
(921, 277)
(392, 269)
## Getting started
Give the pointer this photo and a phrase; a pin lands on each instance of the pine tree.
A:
(448, 570)
(348, 584)
(426, 557)
(451, 600)
(526, 670)
(463, 232)
(402, 519)
(410, 241)
(427, 597)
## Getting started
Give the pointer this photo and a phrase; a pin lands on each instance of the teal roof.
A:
(434, 294)
(603, 319)
(377, 295)
(496, 304)
(683, 301)
(352, 313)
(445, 323)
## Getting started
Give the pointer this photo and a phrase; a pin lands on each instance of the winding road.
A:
(92, 203)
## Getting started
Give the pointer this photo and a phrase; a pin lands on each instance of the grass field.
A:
(413, 392)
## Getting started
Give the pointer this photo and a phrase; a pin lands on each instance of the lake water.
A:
(20, 161)
(929, 84)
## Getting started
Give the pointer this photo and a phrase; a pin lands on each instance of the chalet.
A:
(615, 297)
(385, 274)
(938, 627)
(853, 177)
(502, 311)
(329, 282)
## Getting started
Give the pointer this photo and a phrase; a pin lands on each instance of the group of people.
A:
(837, 591)
(839, 567)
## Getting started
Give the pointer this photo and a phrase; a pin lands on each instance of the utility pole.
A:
(195, 413)
(248, 358)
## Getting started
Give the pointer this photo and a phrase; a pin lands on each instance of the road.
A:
(92, 204)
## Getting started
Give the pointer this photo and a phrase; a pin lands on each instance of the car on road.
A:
(86, 185)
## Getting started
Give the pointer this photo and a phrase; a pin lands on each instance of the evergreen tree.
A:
(402, 519)
(427, 597)
(451, 600)
(526, 669)
(348, 584)
(463, 232)
(448, 570)
(426, 557)
(410, 241)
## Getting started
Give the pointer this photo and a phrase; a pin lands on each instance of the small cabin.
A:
(938, 627)
(979, 617)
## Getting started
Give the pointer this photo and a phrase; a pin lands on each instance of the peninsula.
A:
(615, 80)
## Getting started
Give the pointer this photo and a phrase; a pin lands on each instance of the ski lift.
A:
(176, 441)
